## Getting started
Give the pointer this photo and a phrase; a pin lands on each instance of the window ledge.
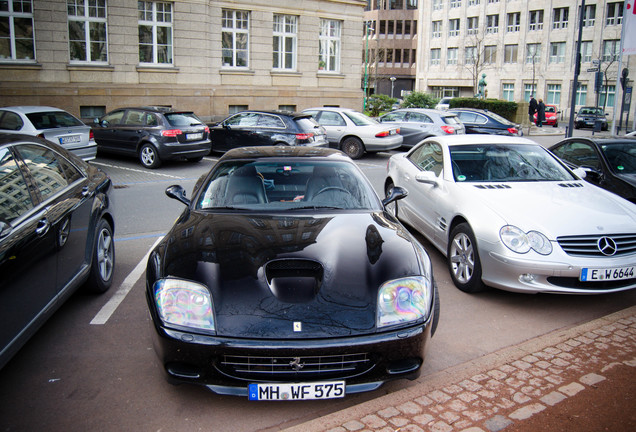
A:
(17, 65)
(89, 67)
(158, 69)
(285, 73)
(327, 74)
(236, 71)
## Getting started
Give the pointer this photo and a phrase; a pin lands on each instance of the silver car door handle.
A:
(43, 227)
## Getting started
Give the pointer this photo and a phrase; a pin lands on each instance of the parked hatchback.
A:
(354, 133)
(258, 128)
(56, 234)
(417, 124)
(51, 123)
(589, 116)
(153, 134)
(478, 121)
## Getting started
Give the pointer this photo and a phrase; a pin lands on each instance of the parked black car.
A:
(153, 134)
(589, 116)
(608, 162)
(256, 128)
(478, 121)
(285, 278)
(56, 234)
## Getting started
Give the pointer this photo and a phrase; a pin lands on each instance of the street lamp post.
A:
(392, 82)
(367, 29)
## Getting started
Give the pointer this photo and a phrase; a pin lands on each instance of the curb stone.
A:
(491, 392)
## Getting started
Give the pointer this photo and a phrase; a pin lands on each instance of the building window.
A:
(290, 108)
(399, 25)
(611, 50)
(233, 109)
(235, 38)
(396, 4)
(492, 24)
(453, 27)
(436, 30)
(529, 90)
(285, 37)
(557, 52)
(581, 95)
(614, 13)
(493, 1)
(470, 55)
(451, 56)
(554, 94)
(455, 4)
(509, 92)
(438, 4)
(411, 4)
(490, 54)
(407, 27)
(514, 22)
(390, 27)
(560, 18)
(589, 16)
(473, 25)
(607, 92)
(329, 55)
(435, 56)
(16, 34)
(511, 53)
(535, 20)
(405, 57)
(586, 51)
(533, 53)
(87, 40)
(155, 32)
(473, 2)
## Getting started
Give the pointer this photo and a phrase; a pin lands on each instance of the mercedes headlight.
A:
(404, 300)
(184, 304)
(521, 242)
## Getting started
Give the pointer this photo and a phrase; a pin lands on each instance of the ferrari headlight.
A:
(518, 241)
(404, 300)
(184, 303)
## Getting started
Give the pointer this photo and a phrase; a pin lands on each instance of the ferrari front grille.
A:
(282, 368)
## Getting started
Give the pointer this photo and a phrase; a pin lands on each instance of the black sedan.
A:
(478, 121)
(608, 162)
(258, 128)
(153, 134)
(285, 278)
(56, 234)
(591, 117)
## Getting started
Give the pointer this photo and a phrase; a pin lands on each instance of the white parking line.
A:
(111, 306)
(134, 170)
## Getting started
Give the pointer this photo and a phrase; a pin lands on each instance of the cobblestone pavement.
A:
(501, 389)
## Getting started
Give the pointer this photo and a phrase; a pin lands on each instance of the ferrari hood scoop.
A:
(294, 280)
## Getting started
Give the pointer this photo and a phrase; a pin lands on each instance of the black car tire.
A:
(195, 159)
(463, 260)
(392, 208)
(353, 147)
(103, 259)
(149, 157)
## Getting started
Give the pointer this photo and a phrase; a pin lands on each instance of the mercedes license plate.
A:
(597, 274)
(297, 391)
(194, 136)
(70, 139)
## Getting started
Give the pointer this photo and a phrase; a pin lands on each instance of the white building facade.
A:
(523, 48)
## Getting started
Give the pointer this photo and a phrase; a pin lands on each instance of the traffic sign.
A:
(593, 69)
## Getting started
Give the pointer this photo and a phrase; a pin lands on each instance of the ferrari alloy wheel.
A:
(463, 260)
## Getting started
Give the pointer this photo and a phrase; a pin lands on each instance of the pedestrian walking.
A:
(532, 108)
(540, 113)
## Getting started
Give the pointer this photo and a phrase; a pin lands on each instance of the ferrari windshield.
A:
(507, 163)
(287, 185)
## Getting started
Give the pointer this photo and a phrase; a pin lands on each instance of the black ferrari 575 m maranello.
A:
(285, 278)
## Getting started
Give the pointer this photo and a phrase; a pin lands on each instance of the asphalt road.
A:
(92, 366)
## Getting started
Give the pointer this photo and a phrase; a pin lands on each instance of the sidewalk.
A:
(513, 388)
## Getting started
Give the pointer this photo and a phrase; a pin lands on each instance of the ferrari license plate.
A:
(296, 391)
(70, 139)
(194, 136)
(620, 273)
